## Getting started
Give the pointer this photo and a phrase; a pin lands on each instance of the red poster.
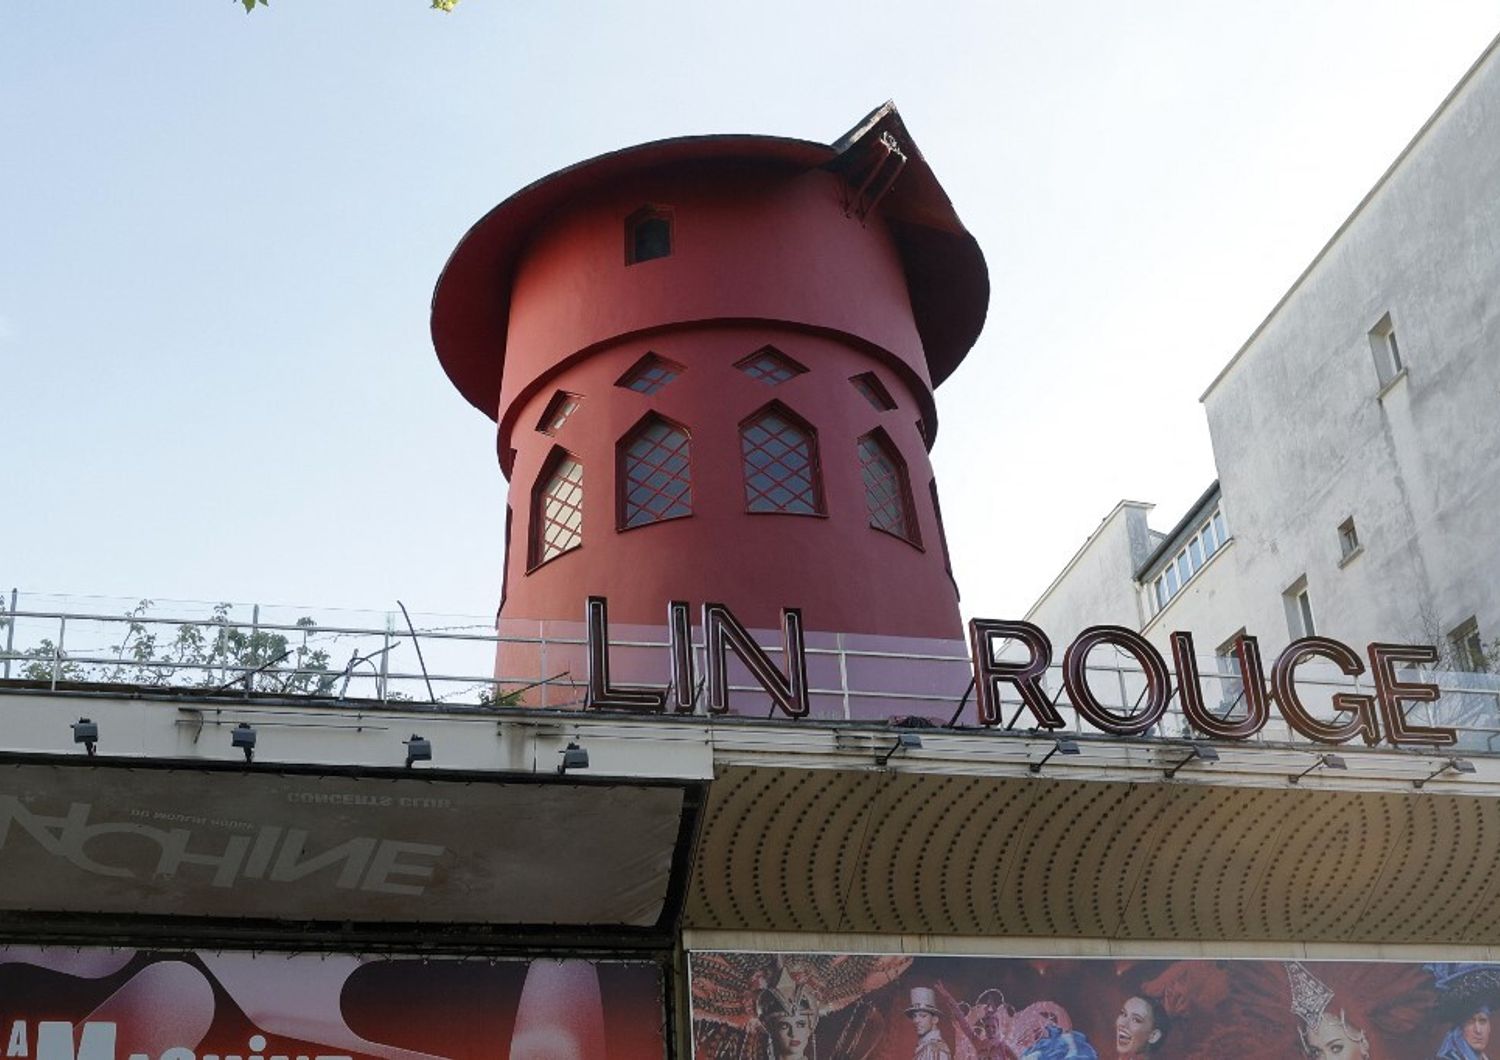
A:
(117, 1004)
(799, 1006)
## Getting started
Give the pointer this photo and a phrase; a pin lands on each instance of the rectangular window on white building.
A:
(1299, 615)
(1231, 688)
(1468, 647)
(1386, 351)
(1348, 538)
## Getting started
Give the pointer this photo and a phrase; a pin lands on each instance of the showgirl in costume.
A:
(1350, 1011)
(1324, 1036)
(761, 1006)
(789, 1014)
(1256, 1010)
(1140, 1027)
(1468, 996)
(990, 1029)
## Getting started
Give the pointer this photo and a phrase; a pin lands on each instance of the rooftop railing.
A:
(437, 662)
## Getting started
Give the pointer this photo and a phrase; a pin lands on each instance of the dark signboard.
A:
(762, 1006)
(79, 838)
(124, 1004)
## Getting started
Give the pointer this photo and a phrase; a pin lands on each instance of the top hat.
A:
(923, 999)
(1464, 987)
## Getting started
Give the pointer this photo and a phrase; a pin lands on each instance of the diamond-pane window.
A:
(770, 366)
(887, 494)
(656, 480)
(562, 405)
(557, 513)
(780, 464)
(649, 374)
(874, 391)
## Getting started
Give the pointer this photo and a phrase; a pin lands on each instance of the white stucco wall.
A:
(1304, 435)
(1096, 587)
(1304, 438)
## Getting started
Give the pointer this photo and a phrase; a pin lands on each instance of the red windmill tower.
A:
(711, 363)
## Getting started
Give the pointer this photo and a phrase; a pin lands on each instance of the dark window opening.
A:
(505, 567)
(937, 511)
(648, 235)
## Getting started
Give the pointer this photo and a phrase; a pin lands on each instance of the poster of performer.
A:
(113, 1004)
(793, 1006)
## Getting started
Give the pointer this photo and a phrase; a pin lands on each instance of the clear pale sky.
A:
(219, 234)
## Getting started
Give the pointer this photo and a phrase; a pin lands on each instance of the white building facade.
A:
(1356, 436)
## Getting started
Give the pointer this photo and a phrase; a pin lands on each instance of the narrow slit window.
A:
(887, 491)
(1348, 538)
(648, 235)
(1299, 614)
(873, 391)
(937, 511)
(779, 456)
(557, 509)
(655, 476)
(1467, 647)
(562, 405)
(1386, 351)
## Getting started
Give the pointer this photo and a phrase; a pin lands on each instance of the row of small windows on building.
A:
(652, 374)
(1207, 539)
(779, 464)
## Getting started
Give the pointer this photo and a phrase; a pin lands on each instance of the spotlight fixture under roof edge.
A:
(418, 749)
(1323, 761)
(1063, 745)
(86, 732)
(573, 757)
(243, 737)
(1197, 751)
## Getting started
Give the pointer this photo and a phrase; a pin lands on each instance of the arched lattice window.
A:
(780, 458)
(887, 490)
(557, 508)
(655, 473)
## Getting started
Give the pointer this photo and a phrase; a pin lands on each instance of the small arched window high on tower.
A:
(655, 473)
(648, 234)
(779, 454)
(557, 508)
(887, 488)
